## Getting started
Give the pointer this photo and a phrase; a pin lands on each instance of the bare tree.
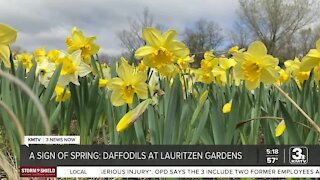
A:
(240, 36)
(307, 39)
(131, 38)
(272, 21)
(205, 36)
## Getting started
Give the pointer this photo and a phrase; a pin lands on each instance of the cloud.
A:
(46, 23)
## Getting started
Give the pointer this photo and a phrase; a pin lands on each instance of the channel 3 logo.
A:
(298, 155)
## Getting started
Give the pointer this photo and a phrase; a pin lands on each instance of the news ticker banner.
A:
(169, 161)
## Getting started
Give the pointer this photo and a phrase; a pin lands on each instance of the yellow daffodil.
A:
(128, 83)
(185, 62)
(78, 41)
(280, 128)
(205, 73)
(132, 115)
(226, 63)
(312, 59)
(44, 71)
(220, 76)
(72, 68)
(8, 36)
(220, 72)
(53, 55)
(104, 80)
(233, 49)
(227, 107)
(62, 95)
(142, 67)
(255, 66)
(284, 76)
(209, 55)
(103, 83)
(203, 76)
(294, 67)
(170, 71)
(26, 60)
(40, 54)
(209, 62)
(316, 73)
(161, 50)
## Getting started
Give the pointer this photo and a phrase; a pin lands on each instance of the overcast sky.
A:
(46, 23)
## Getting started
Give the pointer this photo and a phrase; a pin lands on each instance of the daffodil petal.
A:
(83, 69)
(116, 99)
(142, 90)
(240, 57)
(152, 36)
(308, 63)
(257, 48)
(226, 63)
(8, 35)
(179, 49)
(125, 72)
(115, 83)
(76, 56)
(280, 128)
(269, 76)
(270, 61)
(144, 51)
(251, 85)
(5, 55)
(168, 37)
(313, 53)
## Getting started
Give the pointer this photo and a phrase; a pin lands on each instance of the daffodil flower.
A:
(8, 36)
(185, 62)
(53, 55)
(284, 76)
(203, 76)
(72, 68)
(312, 59)
(233, 49)
(40, 55)
(255, 66)
(26, 60)
(44, 71)
(295, 68)
(62, 95)
(78, 41)
(220, 72)
(128, 83)
(161, 50)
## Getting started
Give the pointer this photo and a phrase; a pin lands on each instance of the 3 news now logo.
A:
(298, 155)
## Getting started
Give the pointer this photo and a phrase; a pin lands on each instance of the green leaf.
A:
(294, 137)
(52, 84)
(202, 122)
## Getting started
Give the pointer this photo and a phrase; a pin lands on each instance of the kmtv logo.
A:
(298, 155)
